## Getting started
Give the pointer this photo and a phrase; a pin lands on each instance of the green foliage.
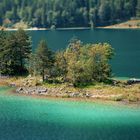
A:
(15, 48)
(60, 64)
(32, 64)
(81, 63)
(42, 61)
(66, 13)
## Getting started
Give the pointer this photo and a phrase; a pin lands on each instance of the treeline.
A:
(67, 13)
(78, 64)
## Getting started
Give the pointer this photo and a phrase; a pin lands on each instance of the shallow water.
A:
(27, 118)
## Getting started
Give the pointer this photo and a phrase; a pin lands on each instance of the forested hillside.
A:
(67, 13)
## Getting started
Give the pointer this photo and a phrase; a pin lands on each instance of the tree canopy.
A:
(67, 13)
(15, 48)
(78, 64)
(84, 63)
(42, 60)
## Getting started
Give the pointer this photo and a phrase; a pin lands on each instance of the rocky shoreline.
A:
(54, 92)
(33, 86)
(63, 93)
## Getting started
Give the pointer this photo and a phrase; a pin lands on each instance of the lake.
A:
(27, 118)
(126, 62)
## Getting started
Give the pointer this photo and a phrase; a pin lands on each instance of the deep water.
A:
(27, 118)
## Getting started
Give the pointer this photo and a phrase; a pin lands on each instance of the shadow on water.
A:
(27, 130)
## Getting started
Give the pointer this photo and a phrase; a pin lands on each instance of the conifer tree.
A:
(15, 50)
(45, 59)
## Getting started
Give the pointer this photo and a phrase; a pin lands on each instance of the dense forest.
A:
(67, 13)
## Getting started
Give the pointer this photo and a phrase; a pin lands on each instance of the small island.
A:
(81, 71)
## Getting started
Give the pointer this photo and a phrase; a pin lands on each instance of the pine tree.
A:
(15, 49)
(23, 42)
(2, 44)
(45, 59)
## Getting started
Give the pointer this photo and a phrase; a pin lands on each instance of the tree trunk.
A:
(43, 76)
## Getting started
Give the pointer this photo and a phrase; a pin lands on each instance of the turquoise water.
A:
(125, 42)
(26, 118)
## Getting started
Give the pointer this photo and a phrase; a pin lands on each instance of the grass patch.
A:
(132, 98)
(119, 98)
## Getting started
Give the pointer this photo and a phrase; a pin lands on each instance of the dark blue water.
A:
(126, 62)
